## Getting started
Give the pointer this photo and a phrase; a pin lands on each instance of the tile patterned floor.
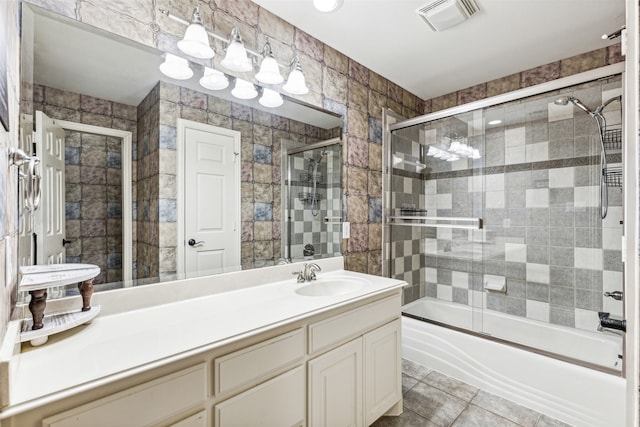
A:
(435, 400)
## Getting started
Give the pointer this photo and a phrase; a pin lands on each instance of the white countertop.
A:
(129, 342)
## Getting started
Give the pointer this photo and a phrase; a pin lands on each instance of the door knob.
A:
(192, 242)
(65, 241)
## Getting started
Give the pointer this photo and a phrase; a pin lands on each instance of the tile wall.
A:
(93, 186)
(337, 83)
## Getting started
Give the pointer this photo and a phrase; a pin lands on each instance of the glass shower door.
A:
(437, 240)
(313, 205)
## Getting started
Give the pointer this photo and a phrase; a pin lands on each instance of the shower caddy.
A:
(612, 140)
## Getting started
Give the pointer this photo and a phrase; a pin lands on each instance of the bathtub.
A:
(577, 395)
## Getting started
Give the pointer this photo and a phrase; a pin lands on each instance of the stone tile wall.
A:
(93, 176)
(93, 186)
(262, 134)
(336, 82)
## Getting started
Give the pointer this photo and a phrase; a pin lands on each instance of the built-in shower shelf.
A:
(612, 137)
(309, 197)
(310, 177)
(613, 176)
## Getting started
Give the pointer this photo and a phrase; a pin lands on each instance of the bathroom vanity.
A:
(321, 353)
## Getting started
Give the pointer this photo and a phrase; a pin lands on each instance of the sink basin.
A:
(330, 287)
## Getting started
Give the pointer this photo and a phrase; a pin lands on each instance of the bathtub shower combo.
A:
(505, 219)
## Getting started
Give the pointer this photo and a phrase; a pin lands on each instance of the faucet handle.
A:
(300, 274)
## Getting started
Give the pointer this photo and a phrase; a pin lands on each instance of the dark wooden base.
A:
(86, 291)
(36, 307)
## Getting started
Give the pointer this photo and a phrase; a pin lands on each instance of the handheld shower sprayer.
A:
(575, 101)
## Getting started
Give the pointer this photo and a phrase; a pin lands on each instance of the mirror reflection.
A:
(153, 179)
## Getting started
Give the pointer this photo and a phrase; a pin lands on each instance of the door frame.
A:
(181, 126)
(127, 202)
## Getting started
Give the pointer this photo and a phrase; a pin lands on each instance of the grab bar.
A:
(477, 226)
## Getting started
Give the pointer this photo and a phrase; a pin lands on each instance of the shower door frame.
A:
(286, 209)
(629, 188)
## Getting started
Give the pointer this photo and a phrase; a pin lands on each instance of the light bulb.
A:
(244, 90)
(269, 72)
(213, 79)
(296, 84)
(236, 58)
(196, 40)
(176, 67)
(270, 98)
(327, 5)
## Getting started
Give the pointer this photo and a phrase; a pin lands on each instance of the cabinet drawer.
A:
(145, 404)
(352, 323)
(195, 420)
(251, 365)
(276, 403)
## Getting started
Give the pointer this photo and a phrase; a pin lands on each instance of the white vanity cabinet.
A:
(336, 367)
(357, 382)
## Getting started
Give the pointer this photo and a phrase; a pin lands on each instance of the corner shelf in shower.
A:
(612, 137)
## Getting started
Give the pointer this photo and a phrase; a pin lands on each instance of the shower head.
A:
(575, 101)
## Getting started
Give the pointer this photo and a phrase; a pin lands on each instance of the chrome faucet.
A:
(308, 272)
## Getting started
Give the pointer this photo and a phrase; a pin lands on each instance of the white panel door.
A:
(50, 217)
(211, 199)
(335, 387)
(26, 218)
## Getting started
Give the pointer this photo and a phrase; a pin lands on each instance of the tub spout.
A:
(609, 323)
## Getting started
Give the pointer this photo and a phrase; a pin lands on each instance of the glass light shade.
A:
(196, 42)
(176, 67)
(296, 84)
(213, 79)
(270, 98)
(236, 58)
(269, 72)
(327, 5)
(244, 90)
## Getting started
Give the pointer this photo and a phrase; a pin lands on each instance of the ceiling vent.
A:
(443, 14)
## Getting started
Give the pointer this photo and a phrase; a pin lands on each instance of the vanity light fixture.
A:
(236, 58)
(327, 6)
(176, 67)
(296, 84)
(270, 98)
(196, 40)
(244, 89)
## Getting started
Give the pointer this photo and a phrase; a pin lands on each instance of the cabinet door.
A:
(382, 370)
(335, 387)
(278, 402)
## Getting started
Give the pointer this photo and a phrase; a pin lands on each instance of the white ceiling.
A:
(504, 37)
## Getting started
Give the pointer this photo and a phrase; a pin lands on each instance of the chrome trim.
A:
(598, 73)
(326, 143)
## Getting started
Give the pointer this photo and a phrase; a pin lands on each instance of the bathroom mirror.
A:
(124, 122)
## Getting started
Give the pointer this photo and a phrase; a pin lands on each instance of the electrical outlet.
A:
(346, 230)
